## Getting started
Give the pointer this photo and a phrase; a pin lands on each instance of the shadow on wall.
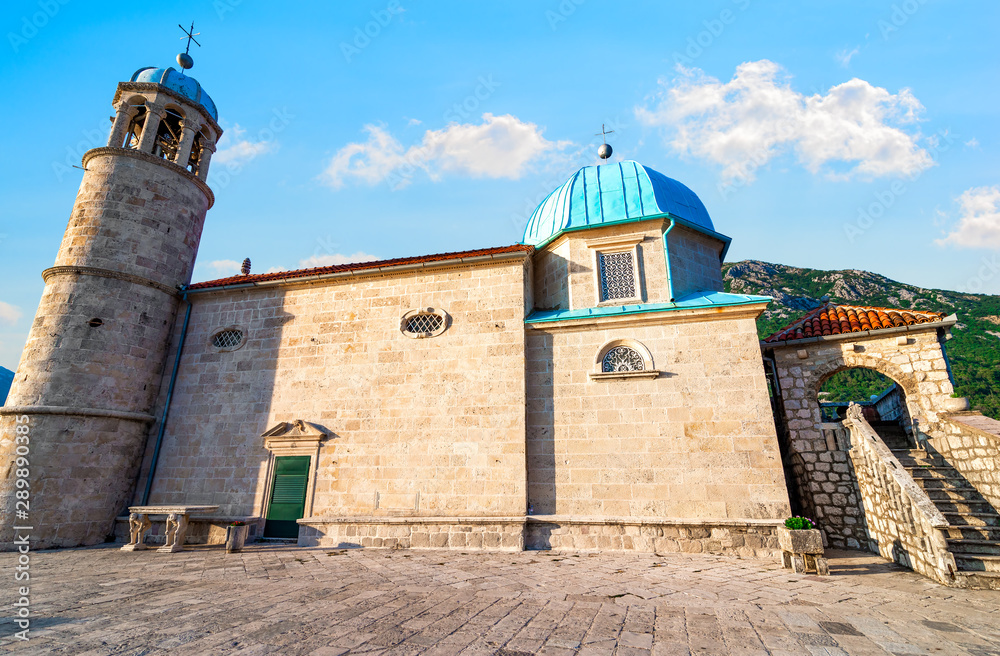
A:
(540, 446)
(211, 451)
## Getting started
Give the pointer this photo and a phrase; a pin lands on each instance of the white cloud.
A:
(979, 225)
(9, 314)
(844, 57)
(972, 143)
(224, 268)
(414, 121)
(498, 147)
(235, 149)
(335, 258)
(855, 129)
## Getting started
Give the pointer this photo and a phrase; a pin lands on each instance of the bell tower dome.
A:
(91, 369)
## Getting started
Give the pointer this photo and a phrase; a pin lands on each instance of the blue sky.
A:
(825, 135)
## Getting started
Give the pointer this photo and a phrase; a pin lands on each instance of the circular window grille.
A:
(227, 339)
(622, 358)
(424, 323)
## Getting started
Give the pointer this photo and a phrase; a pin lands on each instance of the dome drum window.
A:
(425, 322)
(616, 263)
(623, 358)
(228, 339)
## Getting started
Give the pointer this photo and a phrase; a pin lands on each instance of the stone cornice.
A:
(672, 316)
(106, 273)
(152, 86)
(153, 159)
(75, 412)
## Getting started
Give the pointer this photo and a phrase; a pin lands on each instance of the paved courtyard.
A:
(287, 600)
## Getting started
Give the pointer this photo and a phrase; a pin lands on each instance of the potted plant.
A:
(802, 545)
(236, 536)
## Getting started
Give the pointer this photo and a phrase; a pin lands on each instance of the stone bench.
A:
(176, 528)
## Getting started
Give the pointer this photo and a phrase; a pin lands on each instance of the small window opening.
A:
(134, 133)
(168, 135)
(227, 339)
(622, 358)
(617, 275)
(95, 323)
(424, 323)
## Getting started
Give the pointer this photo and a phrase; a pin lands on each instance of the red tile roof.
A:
(359, 266)
(836, 319)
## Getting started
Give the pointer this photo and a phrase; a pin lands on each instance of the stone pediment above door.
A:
(293, 436)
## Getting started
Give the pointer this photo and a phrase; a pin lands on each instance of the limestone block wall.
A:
(428, 427)
(698, 441)
(695, 261)
(828, 489)
(971, 444)
(551, 276)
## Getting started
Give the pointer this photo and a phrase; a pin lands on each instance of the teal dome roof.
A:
(611, 193)
(178, 82)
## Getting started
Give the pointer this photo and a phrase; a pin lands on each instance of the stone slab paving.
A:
(288, 600)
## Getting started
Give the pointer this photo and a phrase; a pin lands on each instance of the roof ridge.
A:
(359, 266)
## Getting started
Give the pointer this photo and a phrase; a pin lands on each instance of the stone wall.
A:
(913, 359)
(694, 262)
(747, 539)
(903, 524)
(416, 427)
(697, 441)
(473, 533)
(551, 276)
(971, 444)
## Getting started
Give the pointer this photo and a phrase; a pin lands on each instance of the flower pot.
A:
(804, 541)
(236, 536)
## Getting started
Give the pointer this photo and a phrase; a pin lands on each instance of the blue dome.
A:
(176, 81)
(611, 193)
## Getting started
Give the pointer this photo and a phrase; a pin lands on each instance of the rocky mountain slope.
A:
(974, 352)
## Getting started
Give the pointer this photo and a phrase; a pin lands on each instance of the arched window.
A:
(622, 358)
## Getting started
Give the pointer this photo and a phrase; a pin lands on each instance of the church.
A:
(591, 387)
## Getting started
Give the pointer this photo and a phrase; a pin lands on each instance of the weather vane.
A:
(184, 59)
(604, 152)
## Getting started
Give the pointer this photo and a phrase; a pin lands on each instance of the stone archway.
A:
(912, 357)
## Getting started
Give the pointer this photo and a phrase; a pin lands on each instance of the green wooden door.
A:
(288, 497)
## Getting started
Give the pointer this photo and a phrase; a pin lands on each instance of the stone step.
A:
(971, 519)
(953, 494)
(979, 547)
(954, 483)
(978, 580)
(946, 473)
(966, 532)
(965, 507)
(977, 562)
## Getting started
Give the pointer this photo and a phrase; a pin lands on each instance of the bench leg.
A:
(138, 525)
(786, 559)
(175, 533)
(822, 567)
(798, 564)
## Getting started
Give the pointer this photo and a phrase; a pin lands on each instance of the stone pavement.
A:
(289, 600)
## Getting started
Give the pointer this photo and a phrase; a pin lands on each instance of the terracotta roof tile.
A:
(359, 266)
(836, 319)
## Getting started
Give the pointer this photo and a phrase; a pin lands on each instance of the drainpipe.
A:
(166, 405)
(666, 260)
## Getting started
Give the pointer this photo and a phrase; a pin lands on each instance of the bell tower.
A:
(90, 372)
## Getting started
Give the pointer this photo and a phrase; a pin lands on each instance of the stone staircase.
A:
(973, 524)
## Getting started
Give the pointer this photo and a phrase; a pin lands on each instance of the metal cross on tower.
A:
(184, 59)
(604, 152)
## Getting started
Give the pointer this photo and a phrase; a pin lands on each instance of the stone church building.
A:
(591, 387)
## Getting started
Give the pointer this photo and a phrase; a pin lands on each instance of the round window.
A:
(426, 322)
(227, 339)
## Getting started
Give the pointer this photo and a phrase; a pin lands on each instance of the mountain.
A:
(974, 351)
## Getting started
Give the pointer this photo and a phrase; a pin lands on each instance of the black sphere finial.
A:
(605, 151)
